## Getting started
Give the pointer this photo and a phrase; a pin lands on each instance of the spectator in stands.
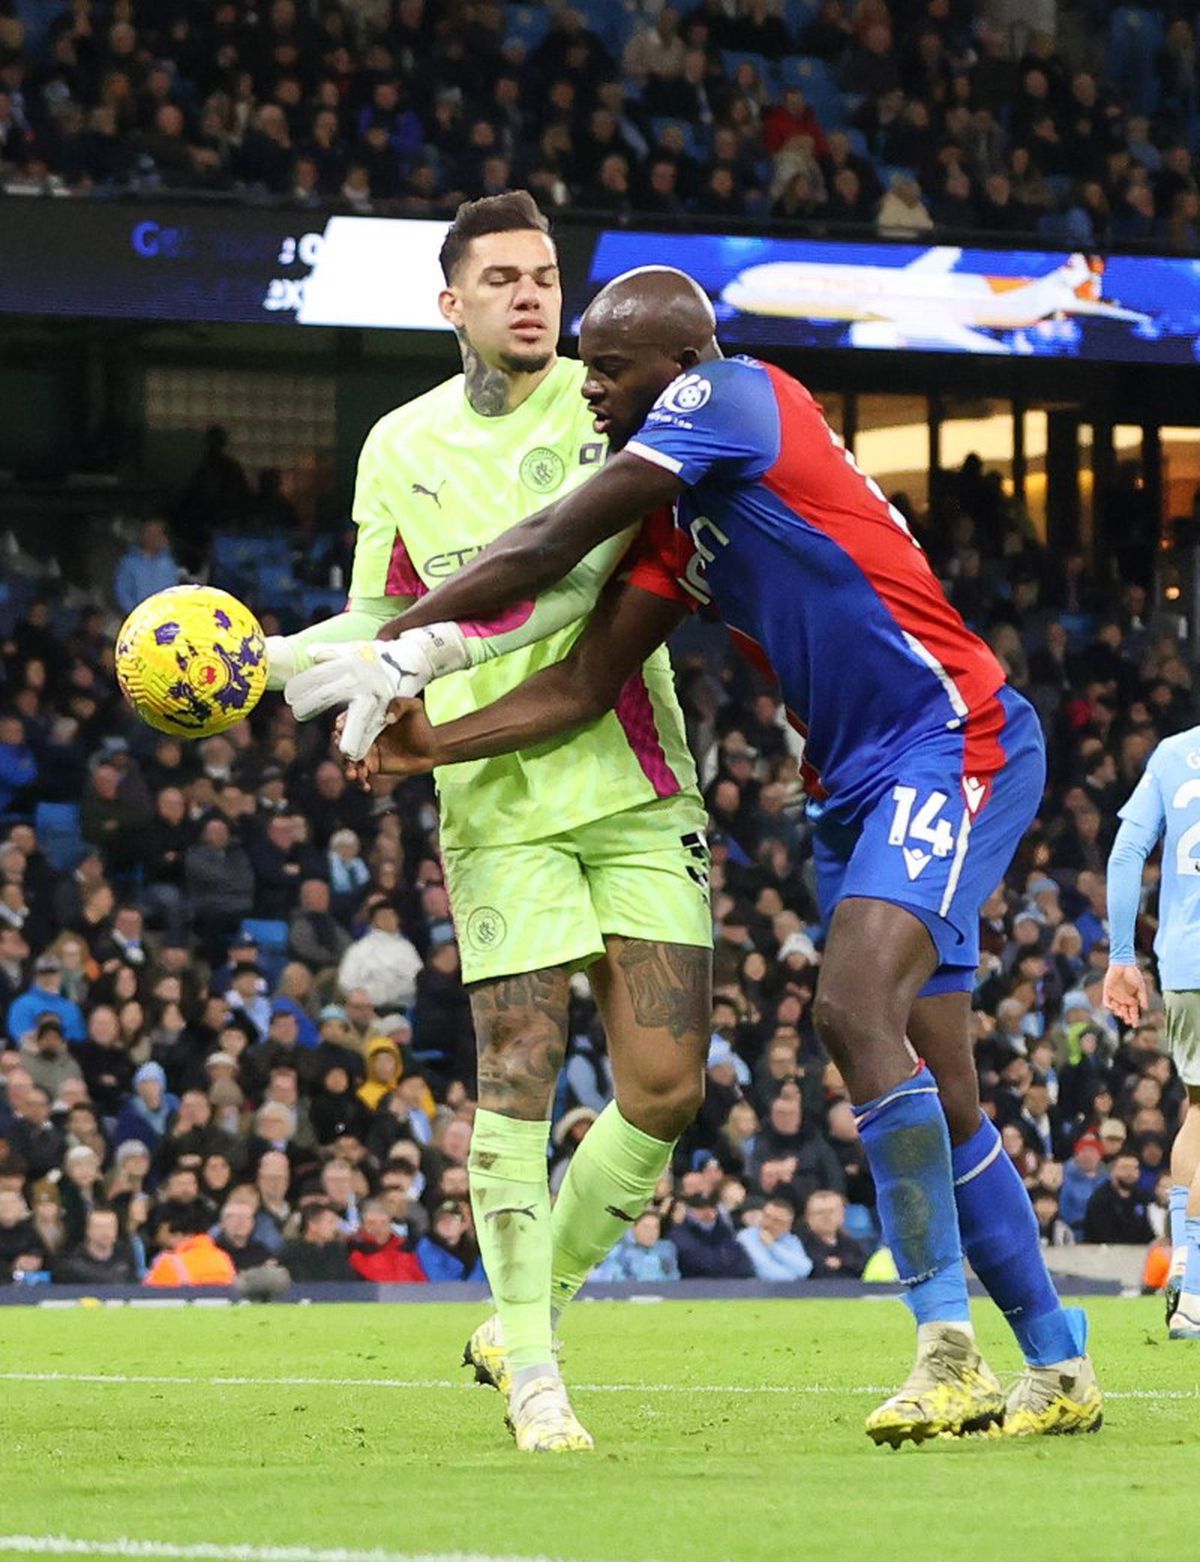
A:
(189, 1255)
(834, 1254)
(377, 1254)
(220, 885)
(18, 769)
(150, 566)
(382, 963)
(1116, 1212)
(319, 1252)
(449, 1250)
(235, 1235)
(21, 1249)
(774, 1250)
(643, 1254)
(706, 1244)
(149, 1111)
(101, 1258)
(44, 997)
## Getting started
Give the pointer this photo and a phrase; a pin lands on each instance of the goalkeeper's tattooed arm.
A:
(627, 625)
(534, 554)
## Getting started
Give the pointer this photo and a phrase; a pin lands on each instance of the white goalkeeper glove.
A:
(366, 679)
(281, 661)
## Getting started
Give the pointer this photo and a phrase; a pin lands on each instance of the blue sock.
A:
(908, 1149)
(1178, 1211)
(1191, 1275)
(1000, 1237)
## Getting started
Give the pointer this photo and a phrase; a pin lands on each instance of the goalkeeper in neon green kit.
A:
(585, 851)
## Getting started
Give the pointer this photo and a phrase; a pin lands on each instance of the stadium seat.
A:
(1134, 39)
(819, 86)
(59, 834)
(527, 24)
(272, 939)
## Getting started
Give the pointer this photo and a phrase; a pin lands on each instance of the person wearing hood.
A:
(376, 1253)
(384, 1070)
(149, 1110)
(335, 1108)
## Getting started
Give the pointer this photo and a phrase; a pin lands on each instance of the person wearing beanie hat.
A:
(147, 1113)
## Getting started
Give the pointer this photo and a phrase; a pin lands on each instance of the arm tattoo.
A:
(521, 1029)
(668, 984)
(487, 389)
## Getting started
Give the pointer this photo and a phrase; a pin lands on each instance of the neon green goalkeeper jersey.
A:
(436, 483)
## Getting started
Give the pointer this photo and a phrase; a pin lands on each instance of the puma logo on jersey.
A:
(430, 493)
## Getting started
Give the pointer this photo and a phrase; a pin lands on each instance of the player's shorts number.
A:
(921, 824)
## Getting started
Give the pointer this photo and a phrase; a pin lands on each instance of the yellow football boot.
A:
(542, 1420)
(486, 1353)
(951, 1390)
(1055, 1401)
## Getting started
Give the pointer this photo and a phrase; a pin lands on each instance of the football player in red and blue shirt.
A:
(928, 769)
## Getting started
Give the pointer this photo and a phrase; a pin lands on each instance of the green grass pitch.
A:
(736, 1437)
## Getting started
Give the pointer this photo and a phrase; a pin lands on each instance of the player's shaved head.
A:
(639, 333)
(655, 306)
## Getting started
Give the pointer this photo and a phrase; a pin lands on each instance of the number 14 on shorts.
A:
(921, 824)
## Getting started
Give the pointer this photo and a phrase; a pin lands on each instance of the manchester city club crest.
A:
(542, 470)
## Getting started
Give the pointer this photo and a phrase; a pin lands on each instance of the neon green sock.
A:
(510, 1196)
(611, 1179)
(362, 620)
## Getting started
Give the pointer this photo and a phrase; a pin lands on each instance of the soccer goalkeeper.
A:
(581, 852)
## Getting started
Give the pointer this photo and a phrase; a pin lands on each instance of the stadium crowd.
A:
(1077, 120)
(235, 1037)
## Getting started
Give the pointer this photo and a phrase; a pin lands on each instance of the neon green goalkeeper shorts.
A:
(528, 906)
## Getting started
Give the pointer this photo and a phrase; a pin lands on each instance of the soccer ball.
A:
(191, 661)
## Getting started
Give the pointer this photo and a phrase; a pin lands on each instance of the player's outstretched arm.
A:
(288, 655)
(542, 549)
(627, 625)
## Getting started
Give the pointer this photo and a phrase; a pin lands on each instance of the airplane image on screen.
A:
(926, 304)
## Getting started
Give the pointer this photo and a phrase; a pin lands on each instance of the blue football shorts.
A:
(939, 836)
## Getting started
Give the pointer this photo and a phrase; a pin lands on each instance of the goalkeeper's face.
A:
(505, 298)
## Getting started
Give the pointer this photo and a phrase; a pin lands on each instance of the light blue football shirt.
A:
(1167, 801)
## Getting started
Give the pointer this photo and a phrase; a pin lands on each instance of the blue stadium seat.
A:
(59, 834)
(798, 14)
(241, 553)
(527, 24)
(613, 22)
(819, 86)
(272, 939)
(1134, 39)
(273, 586)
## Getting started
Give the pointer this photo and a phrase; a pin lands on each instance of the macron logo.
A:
(973, 791)
(916, 861)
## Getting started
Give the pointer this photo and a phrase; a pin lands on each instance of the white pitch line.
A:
(208, 1551)
(122, 1379)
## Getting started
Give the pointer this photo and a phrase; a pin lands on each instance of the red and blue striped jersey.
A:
(816, 575)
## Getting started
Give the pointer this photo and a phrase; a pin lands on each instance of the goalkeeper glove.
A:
(368, 677)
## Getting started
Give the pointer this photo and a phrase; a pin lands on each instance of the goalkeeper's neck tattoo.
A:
(488, 390)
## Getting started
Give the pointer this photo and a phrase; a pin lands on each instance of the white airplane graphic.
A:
(925, 304)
